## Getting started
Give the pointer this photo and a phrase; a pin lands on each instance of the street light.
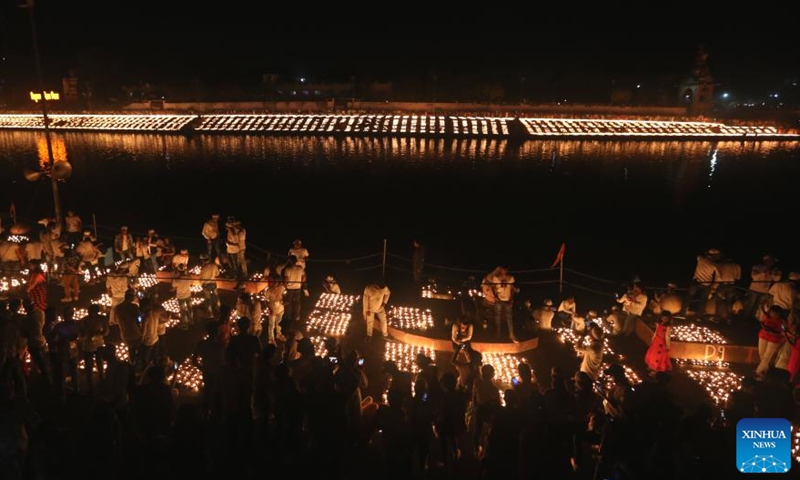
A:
(28, 5)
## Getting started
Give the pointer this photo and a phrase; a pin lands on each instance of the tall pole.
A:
(383, 269)
(54, 183)
(561, 275)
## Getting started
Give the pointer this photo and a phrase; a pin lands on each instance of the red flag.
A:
(560, 256)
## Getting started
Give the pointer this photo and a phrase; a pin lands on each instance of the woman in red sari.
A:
(657, 356)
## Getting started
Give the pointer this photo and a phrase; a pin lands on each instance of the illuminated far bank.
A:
(458, 126)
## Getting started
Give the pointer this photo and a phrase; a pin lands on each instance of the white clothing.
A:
(592, 358)
(634, 303)
(209, 272)
(275, 299)
(34, 250)
(232, 241)
(370, 320)
(294, 277)
(8, 252)
(705, 270)
(568, 307)
(87, 251)
(301, 254)
(211, 230)
(375, 299)
(183, 287)
(783, 295)
(117, 285)
(180, 259)
(728, 272)
(761, 276)
(74, 223)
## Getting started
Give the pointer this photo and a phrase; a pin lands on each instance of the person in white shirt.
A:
(761, 279)
(74, 226)
(784, 295)
(544, 315)
(299, 251)
(633, 305)
(249, 307)
(237, 246)
(566, 310)
(728, 273)
(330, 285)
(668, 301)
(211, 235)
(116, 286)
(705, 273)
(376, 296)
(181, 257)
(232, 245)
(182, 284)
(123, 244)
(294, 279)
(503, 287)
(592, 353)
(275, 294)
(208, 281)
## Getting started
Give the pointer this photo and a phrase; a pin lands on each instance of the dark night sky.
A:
(180, 40)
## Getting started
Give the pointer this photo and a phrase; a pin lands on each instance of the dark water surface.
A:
(623, 208)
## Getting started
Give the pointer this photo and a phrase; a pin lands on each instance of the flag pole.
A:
(561, 275)
(383, 268)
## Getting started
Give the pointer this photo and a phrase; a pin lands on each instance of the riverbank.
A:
(400, 125)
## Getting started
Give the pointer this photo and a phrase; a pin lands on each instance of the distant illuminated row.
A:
(124, 123)
(358, 124)
(403, 125)
(566, 127)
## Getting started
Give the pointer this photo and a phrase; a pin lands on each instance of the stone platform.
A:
(708, 350)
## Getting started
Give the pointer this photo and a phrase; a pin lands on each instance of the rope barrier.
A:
(591, 276)
(589, 289)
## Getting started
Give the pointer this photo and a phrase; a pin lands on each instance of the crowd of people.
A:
(268, 401)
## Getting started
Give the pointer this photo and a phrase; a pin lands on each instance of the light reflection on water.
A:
(623, 200)
(136, 146)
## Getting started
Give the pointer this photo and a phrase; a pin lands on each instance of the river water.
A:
(622, 208)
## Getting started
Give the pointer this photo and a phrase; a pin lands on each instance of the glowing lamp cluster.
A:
(687, 362)
(17, 238)
(506, 367)
(423, 125)
(189, 376)
(337, 302)
(409, 318)
(110, 122)
(332, 314)
(719, 384)
(329, 323)
(7, 284)
(122, 353)
(172, 305)
(575, 127)
(693, 333)
(103, 301)
(630, 374)
(319, 345)
(147, 280)
(571, 337)
(405, 356)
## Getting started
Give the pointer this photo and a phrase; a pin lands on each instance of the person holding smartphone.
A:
(461, 336)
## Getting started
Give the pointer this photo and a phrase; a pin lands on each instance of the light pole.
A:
(28, 5)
